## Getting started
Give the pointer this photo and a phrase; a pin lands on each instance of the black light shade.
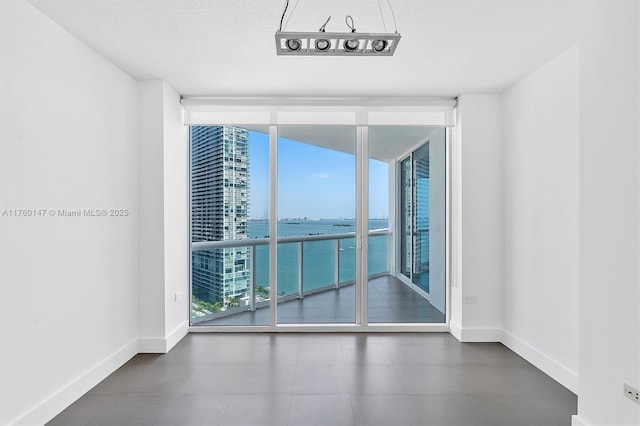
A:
(322, 44)
(379, 45)
(351, 44)
(294, 44)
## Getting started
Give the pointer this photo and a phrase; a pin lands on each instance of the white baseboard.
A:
(551, 367)
(177, 334)
(68, 394)
(74, 389)
(481, 334)
(152, 345)
(475, 334)
(455, 330)
(162, 345)
(577, 421)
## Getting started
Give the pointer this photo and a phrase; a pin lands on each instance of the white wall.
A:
(176, 218)
(481, 221)
(68, 302)
(163, 221)
(609, 342)
(151, 213)
(437, 219)
(540, 122)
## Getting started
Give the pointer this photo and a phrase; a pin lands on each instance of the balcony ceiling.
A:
(385, 143)
(227, 47)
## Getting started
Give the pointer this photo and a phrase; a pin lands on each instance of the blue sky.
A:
(313, 182)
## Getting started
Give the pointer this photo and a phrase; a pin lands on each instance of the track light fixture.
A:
(322, 43)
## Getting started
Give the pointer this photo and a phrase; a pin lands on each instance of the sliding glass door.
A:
(298, 225)
(415, 292)
(316, 224)
(422, 222)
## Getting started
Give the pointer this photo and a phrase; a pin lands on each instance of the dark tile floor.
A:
(390, 301)
(325, 379)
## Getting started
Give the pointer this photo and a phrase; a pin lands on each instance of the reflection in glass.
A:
(406, 202)
(420, 275)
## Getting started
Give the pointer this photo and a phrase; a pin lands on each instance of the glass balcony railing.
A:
(306, 265)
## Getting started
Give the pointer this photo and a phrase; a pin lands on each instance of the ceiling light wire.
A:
(394, 16)
(351, 25)
(382, 16)
(291, 14)
(324, 25)
(286, 5)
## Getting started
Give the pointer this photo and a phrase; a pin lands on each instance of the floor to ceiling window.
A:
(318, 224)
(229, 225)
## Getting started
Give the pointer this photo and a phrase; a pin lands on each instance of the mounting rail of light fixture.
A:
(322, 43)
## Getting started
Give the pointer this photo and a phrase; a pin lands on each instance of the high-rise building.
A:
(220, 211)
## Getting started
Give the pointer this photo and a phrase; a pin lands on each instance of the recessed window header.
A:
(321, 111)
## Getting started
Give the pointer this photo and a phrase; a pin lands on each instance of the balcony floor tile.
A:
(389, 301)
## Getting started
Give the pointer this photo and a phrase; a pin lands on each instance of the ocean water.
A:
(318, 256)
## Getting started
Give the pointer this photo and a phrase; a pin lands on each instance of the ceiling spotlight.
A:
(322, 44)
(378, 45)
(294, 44)
(344, 43)
(351, 44)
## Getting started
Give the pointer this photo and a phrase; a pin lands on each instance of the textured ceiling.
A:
(227, 48)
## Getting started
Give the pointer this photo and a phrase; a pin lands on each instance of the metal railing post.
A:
(336, 264)
(252, 279)
(390, 253)
(300, 269)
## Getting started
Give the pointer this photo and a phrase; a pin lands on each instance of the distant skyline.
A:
(313, 182)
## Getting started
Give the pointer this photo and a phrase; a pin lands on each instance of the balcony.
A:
(316, 284)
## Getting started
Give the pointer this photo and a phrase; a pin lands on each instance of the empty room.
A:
(339, 212)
